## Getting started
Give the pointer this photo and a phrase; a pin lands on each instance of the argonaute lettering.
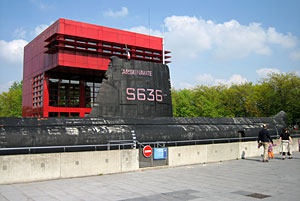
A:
(136, 72)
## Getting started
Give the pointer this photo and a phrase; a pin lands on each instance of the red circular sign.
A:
(147, 151)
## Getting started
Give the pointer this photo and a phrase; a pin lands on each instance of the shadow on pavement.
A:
(253, 159)
(275, 158)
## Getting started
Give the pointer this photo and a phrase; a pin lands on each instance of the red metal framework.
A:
(58, 42)
(64, 65)
(37, 96)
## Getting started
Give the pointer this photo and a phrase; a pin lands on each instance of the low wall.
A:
(187, 155)
(35, 167)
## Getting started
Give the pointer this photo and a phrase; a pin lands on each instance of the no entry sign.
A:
(147, 151)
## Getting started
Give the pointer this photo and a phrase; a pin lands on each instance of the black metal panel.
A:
(33, 132)
(134, 89)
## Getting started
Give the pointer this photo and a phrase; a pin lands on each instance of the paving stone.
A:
(229, 180)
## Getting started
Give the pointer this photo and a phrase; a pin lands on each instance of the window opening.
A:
(74, 114)
(92, 49)
(71, 46)
(53, 114)
(81, 48)
(92, 43)
(69, 39)
(64, 114)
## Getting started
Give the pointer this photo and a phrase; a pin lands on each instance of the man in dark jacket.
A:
(264, 138)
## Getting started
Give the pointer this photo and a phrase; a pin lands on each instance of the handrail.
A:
(128, 144)
(63, 148)
(209, 140)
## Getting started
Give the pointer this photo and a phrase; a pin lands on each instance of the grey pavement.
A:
(247, 179)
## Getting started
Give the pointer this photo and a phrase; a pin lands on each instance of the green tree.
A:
(11, 101)
(271, 95)
(183, 104)
(239, 100)
(209, 101)
(280, 92)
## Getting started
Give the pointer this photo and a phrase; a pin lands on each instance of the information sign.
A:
(160, 153)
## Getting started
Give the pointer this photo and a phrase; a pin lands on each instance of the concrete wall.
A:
(24, 168)
(187, 155)
(35, 167)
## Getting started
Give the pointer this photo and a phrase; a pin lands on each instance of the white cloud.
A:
(122, 13)
(188, 36)
(185, 85)
(20, 33)
(4, 87)
(42, 5)
(295, 55)
(144, 30)
(39, 29)
(12, 52)
(263, 72)
(287, 41)
(205, 78)
(208, 79)
(234, 79)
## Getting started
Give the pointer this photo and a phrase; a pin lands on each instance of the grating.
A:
(258, 195)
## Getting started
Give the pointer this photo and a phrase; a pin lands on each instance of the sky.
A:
(212, 41)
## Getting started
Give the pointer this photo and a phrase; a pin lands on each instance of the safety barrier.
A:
(44, 166)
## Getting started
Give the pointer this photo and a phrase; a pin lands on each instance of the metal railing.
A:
(196, 142)
(122, 144)
(158, 144)
(65, 148)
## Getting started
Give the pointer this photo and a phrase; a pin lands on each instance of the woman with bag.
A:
(285, 140)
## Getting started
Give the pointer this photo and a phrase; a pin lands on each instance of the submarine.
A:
(134, 104)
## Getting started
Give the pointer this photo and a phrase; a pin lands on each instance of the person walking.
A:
(264, 138)
(270, 150)
(285, 140)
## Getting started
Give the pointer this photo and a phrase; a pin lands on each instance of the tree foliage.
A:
(11, 101)
(271, 95)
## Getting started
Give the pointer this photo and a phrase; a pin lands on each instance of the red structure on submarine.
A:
(64, 66)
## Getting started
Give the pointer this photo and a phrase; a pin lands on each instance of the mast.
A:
(163, 44)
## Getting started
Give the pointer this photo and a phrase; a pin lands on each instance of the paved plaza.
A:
(247, 179)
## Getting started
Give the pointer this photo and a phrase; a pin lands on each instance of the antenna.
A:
(149, 20)
(163, 43)
(149, 24)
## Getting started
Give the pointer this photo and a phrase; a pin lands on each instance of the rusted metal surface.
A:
(28, 132)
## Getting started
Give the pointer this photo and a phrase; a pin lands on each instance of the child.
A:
(270, 150)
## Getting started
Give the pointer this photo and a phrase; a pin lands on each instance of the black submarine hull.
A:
(134, 104)
(39, 132)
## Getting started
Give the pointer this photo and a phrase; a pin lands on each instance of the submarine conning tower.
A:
(133, 88)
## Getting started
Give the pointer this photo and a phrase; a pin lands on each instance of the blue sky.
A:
(212, 42)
